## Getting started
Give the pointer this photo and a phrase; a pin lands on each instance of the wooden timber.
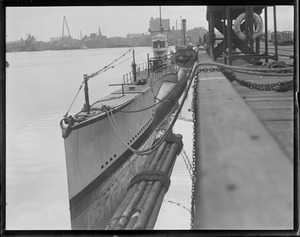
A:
(243, 156)
(274, 109)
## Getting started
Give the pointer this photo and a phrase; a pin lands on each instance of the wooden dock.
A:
(244, 154)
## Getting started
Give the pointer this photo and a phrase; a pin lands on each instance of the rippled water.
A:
(40, 87)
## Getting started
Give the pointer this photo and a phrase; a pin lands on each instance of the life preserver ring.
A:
(257, 31)
(66, 128)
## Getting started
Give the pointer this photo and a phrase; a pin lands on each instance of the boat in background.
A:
(184, 55)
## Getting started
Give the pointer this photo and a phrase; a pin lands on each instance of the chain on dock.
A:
(194, 172)
(229, 74)
(279, 86)
(228, 71)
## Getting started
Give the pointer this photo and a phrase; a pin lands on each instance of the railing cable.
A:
(105, 68)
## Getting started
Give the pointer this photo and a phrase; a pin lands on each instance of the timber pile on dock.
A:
(140, 207)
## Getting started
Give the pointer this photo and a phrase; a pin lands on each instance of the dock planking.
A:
(273, 108)
(244, 176)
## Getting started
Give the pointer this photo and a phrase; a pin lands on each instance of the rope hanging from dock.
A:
(140, 110)
(155, 146)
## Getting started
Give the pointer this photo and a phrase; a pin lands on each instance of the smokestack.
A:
(184, 31)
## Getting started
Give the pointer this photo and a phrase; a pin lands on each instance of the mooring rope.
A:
(149, 107)
(155, 146)
(116, 129)
(66, 115)
(148, 151)
(178, 204)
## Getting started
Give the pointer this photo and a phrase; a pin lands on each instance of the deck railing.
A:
(142, 73)
(140, 68)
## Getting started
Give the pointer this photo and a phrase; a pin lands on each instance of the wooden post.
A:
(250, 25)
(148, 65)
(134, 68)
(211, 25)
(275, 32)
(229, 27)
(266, 34)
(224, 34)
(86, 93)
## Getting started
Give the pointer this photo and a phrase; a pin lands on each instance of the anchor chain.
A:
(194, 173)
(279, 86)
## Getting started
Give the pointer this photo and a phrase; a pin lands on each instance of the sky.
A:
(47, 22)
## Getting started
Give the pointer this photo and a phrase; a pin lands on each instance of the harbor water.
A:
(40, 87)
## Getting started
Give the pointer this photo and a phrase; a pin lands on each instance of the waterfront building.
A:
(95, 40)
(155, 24)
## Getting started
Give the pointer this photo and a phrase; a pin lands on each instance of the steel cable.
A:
(108, 66)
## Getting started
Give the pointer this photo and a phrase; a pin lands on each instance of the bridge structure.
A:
(221, 18)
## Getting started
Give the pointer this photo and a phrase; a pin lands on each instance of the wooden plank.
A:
(283, 132)
(282, 127)
(263, 94)
(275, 114)
(244, 178)
(274, 98)
(243, 89)
(279, 104)
(287, 147)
